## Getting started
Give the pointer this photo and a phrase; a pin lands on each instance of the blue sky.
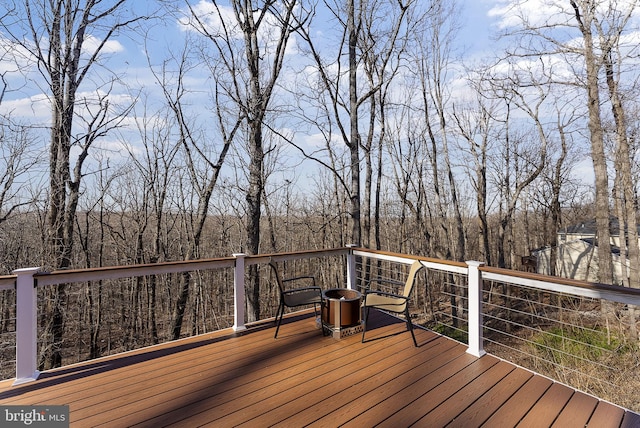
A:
(477, 26)
(127, 57)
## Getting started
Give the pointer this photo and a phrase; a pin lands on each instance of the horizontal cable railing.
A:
(565, 330)
(106, 317)
(7, 282)
(554, 326)
(439, 300)
(574, 345)
(449, 315)
(109, 310)
(7, 326)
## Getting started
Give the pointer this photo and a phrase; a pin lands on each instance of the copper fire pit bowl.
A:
(341, 308)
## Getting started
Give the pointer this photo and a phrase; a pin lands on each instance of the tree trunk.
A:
(556, 206)
(628, 221)
(605, 268)
(253, 198)
(354, 143)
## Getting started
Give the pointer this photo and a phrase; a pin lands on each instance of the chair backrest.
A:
(411, 278)
(276, 274)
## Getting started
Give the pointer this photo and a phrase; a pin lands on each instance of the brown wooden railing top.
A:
(563, 281)
(7, 282)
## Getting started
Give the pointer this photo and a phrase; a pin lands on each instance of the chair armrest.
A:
(305, 284)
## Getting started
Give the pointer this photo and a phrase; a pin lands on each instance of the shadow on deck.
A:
(302, 378)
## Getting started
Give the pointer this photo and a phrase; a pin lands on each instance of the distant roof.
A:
(588, 227)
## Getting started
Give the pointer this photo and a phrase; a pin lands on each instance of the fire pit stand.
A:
(341, 313)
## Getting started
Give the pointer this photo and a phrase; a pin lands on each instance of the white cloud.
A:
(221, 21)
(13, 57)
(212, 18)
(510, 13)
(117, 148)
(92, 43)
(583, 172)
(315, 141)
(36, 107)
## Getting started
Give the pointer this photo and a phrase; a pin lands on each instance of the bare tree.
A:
(65, 60)
(405, 148)
(475, 125)
(614, 55)
(55, 34)
(433, 58)
(386, 29)
(20, 159)
(585, 19)
(203, 162)
(372, 36)
(93, 214)
(598, 25)
(19, 163)
(249, 41)
(532, 104)
(155, 165)
(348, 15)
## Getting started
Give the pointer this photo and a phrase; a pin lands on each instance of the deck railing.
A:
(7, 323)
(462, 298)
(575, 332)
(27, 282)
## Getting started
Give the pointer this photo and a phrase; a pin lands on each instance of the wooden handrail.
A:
(8, 282)
(571, 286)
(114, 272)
(294, 255)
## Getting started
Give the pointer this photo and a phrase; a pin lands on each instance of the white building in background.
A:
(577, 249)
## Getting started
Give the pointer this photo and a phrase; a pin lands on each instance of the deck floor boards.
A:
(577, 411)
(605, 413)
(304, 379)
(548, 407)
(482, 408)
(417, 405)
(519, 404)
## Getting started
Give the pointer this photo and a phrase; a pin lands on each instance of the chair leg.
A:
(410, 325)
(279, 315)
(366, 318)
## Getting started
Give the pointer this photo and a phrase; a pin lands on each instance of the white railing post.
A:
(238, 293)
(26, 326)
(476, 347)
(351, 268)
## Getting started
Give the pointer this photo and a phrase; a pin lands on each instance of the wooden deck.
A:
(302, 378)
